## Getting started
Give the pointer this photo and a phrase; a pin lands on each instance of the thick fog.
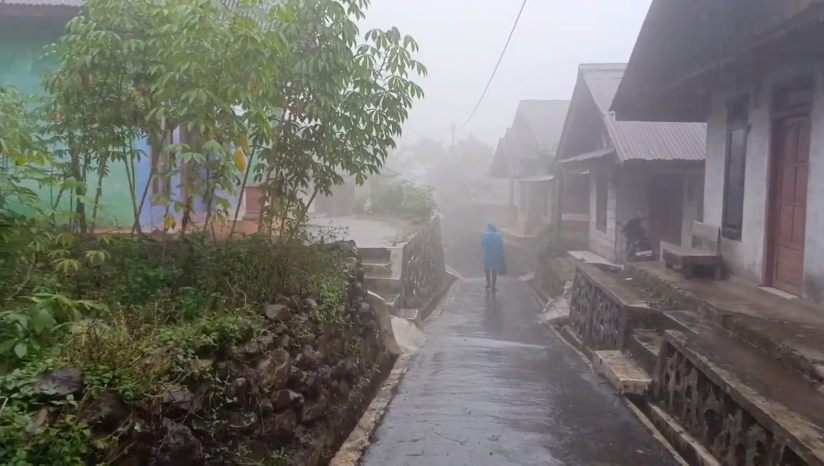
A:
(461, 40)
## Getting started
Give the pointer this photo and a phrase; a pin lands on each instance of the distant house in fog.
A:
(522, 158)
(753, 72)
(613, 169)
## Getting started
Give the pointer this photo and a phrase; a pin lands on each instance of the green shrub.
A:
(403, 199)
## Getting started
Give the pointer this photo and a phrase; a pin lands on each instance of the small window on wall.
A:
(601, 195)
(734, 167)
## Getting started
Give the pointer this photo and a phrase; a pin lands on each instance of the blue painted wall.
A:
(22, 42)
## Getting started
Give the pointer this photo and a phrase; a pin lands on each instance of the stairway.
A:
(716, 398)
(382, 276)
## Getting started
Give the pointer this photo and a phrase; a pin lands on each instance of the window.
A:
(601, 194)
(734, 167)
(161, 163)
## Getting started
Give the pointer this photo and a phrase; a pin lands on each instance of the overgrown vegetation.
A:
(284, 94)
(402, 199)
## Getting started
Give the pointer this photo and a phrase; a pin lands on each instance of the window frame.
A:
(738, 111)
(601, 202)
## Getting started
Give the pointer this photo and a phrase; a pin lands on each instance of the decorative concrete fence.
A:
(603, 311)
(423, 273)
(720, 417)
(594, 312)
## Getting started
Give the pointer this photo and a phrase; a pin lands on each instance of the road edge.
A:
(353, 448)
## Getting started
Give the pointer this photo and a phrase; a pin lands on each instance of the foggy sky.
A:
(461, 40)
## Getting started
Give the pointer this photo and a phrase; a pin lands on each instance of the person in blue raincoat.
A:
(493, 246)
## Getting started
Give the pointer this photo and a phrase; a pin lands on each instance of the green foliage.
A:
(403, 199)
(24, 441)
(345, 104)
(237, 82)
(286, 84)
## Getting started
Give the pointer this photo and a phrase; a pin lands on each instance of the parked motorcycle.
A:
(637, 247)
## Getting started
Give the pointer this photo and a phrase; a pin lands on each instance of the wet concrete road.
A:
(491, 387)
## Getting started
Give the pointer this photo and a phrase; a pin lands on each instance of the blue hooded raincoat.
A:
(493, 246)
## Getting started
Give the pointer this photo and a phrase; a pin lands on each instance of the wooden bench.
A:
(705, 251)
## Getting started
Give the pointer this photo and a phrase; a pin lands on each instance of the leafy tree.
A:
(287, 85)
(344, 102)
(156, 69)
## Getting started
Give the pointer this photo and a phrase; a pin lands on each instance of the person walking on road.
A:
(493, 246)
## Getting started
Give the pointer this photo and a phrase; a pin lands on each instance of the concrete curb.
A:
(351, 452)
(541, 295)
(430, 306)
(352, 449)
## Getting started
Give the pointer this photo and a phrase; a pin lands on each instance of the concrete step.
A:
(377, 269)
(643, 347)
(787, 330)
(719, 387)
(384, 286)
(380, 255)
(624, 375)
(409, 314)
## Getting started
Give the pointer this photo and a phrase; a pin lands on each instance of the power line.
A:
(496, 65)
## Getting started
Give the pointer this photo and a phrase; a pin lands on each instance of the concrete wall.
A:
(746, 257)
(602, 243)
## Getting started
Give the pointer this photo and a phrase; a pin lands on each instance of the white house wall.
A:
(693, 204)
(746, 257)
(602, 243)
(633, 195)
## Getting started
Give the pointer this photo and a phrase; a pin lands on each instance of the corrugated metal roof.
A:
(635, 140)
(596, 154)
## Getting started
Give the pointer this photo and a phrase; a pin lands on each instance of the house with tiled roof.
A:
(522, 157)
(611, 170)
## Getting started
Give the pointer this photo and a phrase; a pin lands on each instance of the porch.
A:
(788, 329)
(728, 372)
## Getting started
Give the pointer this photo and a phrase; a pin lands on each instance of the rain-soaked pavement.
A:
(492, 387)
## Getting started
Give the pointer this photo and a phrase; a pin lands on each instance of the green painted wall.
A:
(22, 43)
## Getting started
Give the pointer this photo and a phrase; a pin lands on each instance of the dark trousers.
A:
(491, 277)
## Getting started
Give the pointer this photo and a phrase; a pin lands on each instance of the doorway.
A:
(666, 205)
(788, 211)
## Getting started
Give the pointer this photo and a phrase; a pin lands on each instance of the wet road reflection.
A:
(493, 387)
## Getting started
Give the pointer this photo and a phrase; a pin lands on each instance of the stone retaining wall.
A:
(423, 274)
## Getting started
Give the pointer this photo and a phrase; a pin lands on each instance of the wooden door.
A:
(666, 204)
(791, 158)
